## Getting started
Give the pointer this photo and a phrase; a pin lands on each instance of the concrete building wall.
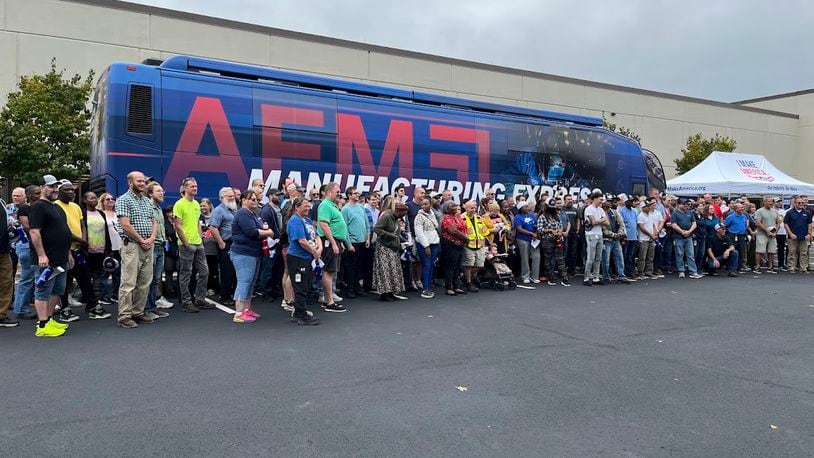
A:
(90, 34)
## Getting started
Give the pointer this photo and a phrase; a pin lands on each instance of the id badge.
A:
(297, 278)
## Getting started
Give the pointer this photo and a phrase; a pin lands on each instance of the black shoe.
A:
(335, 308)
(387, 298)
(602, 282)
(350, 294)
(98, 313)
(587, 283)
(361, 293)
(623, 281)
(67, 316)
(472, 288)
(733, 274)
(7, 322)
(713, 274)
(459, 291)
(306, 320)
(565, 282)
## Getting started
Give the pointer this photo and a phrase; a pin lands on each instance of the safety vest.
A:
(476, 231)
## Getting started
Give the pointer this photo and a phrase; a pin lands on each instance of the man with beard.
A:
(187, 216)
(571, 239)
(138, 228)
(220, 225)
(51, 242)
(156, 194)
(79, 252)
(271, 269)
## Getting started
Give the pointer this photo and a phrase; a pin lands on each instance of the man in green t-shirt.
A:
(767, 220)
(334, 232)
(187, 216)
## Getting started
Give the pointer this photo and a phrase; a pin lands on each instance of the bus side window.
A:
(639, 188)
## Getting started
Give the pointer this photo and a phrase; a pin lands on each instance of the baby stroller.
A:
(496, 273)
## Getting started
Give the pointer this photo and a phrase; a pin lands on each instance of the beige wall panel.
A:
(740, 119)
(781, 125)
(183, 37)
(611, 101)
(805, 154)
(706, 130)
(554, 92)
(320, 58)
(553, 107)
(655, 107)
(485, 82)
(2, 14)
(415, 72)
(752, 142)
(78, 21)
(8, 71)
(782, 152)
(786, 105)
(74, 56)
(700, 113)
(665, 138)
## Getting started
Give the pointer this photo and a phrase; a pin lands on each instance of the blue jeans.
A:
(612, 248)
(427, 264)
(665, 260)
(684, 247)
(731, 262)
(246, 268)
(158, 269)
(631, 250)
(700, 251)
(25, 288)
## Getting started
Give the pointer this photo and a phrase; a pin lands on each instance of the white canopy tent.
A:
(736, 173)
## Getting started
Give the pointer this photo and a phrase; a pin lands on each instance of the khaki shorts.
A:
(473, 258)
(765, 244)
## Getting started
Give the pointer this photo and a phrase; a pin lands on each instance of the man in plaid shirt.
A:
(137, 227)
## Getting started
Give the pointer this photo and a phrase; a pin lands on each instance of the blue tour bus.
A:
(226, 124)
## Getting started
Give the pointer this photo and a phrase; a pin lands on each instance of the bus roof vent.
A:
(140, 110)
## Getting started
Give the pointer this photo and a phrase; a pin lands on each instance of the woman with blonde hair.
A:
(109, 292)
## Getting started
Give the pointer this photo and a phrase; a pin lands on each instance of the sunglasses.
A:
(110, 199)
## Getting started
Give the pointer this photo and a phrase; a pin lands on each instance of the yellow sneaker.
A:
(48, 331)
(56, 324)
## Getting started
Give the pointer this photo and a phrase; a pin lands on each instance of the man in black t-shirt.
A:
(50, 247)
(720, 250)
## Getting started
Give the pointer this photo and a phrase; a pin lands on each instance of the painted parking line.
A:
(220, 306)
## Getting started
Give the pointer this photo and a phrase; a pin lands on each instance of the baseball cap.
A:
(49, 180)
(273, 192)
(437, 195)
(719, 226)
(551, 203)
(522, 204)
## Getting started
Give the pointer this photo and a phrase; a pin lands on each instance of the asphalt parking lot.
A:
(710, 367)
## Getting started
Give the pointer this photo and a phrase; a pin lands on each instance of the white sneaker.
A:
(73, 302)
(535, 280)
(681, 275)
(286, 306)
(400, 297)
(337, 298)
(526, 281)
(696, 276)
(163, 303)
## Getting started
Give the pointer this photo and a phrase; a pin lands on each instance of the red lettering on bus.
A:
(463, 135)
(352, 137)
(206, 113)
(274, 148)
(453, 162)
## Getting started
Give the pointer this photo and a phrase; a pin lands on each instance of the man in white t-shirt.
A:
(648, 222)
(594, 218)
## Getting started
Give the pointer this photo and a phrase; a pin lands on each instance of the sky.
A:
(722, 50)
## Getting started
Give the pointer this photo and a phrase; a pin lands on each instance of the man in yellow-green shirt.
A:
(187, 217)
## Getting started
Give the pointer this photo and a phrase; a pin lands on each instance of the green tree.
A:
(620, 130)
(698, 148)
(44, 127)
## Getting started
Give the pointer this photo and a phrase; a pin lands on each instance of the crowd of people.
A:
(135, 252)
